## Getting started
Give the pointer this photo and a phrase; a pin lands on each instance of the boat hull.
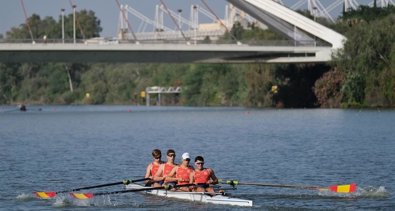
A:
(196, 196)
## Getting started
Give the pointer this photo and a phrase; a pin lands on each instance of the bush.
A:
(328, 89)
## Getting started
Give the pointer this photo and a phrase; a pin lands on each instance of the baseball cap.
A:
(185, 156)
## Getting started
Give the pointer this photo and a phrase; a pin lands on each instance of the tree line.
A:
(361, 75)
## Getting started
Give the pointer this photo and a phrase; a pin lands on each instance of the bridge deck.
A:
(156, 53)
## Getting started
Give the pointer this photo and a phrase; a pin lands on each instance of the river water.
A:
(56, 148)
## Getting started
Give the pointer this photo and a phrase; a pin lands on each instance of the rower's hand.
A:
(149, 181)
(168, 186)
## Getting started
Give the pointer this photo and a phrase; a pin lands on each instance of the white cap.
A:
(185, 156)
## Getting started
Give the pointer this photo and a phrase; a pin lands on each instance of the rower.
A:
(182, 174)
(153, 167)
(22, 107)
(203, 177)
(165, 169)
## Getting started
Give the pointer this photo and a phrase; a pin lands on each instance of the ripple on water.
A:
(102, 201)
(374, 192)
(25, 197)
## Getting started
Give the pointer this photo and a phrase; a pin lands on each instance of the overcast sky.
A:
(11, 12)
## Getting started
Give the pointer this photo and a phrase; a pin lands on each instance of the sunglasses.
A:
(187, 159)
(171, 155)
(157, 157)
(200, 163)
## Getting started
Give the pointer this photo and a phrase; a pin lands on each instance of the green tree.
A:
(95, 83)
(10, 79)
(87, 26)
(233, 86)
(88, 22)
(39, 28)
(366, 60)
(192, 84)
(259, 80)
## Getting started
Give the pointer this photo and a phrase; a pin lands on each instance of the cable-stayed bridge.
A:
(184, 43)
(154, 28)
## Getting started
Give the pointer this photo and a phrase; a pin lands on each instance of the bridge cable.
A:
(218, 19)
(77, 19)
(174, 20)
(127, 21)
(27, 20)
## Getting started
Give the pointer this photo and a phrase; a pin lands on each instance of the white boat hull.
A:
(195, 196)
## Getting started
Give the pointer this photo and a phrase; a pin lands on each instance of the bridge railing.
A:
(164, 41)
(50, 41)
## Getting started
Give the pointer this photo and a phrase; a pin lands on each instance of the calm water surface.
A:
(63, 147)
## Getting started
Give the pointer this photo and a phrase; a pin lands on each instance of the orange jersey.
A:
(154, 169)
(167, 169)
(202, 176)
(183, 173)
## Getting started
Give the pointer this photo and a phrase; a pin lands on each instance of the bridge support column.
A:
(147, 97)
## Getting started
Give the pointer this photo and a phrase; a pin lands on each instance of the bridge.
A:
(302, 46)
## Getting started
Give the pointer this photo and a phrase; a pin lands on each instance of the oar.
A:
(91, 195)
(52, 194)
(347, 188)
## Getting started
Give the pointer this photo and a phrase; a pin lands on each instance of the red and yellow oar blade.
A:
(82, 195)
(349, 188)
(45, 195)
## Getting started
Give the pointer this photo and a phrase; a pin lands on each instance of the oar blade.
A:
(348, 188)
(45, 195)
(82, 195)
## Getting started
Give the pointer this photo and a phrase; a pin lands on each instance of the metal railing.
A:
(284, 43)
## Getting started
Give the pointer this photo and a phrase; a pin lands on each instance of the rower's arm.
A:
(191, 177)
(148, 172)
(213, 178)
(170, 177)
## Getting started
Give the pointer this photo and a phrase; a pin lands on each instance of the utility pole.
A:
(315, 12)
(195, 21)
(74, 33)
(179, 20)
(62, 10)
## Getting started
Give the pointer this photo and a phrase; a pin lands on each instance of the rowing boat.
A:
(202, 197)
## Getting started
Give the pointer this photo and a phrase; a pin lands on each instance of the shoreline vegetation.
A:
(360, 76)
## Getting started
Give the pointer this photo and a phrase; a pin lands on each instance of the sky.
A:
(12, 15)
(11, 12)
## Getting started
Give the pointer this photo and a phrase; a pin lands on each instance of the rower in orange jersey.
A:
(165, 169)
(153, 167)
(203, 177)
(182, 174)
